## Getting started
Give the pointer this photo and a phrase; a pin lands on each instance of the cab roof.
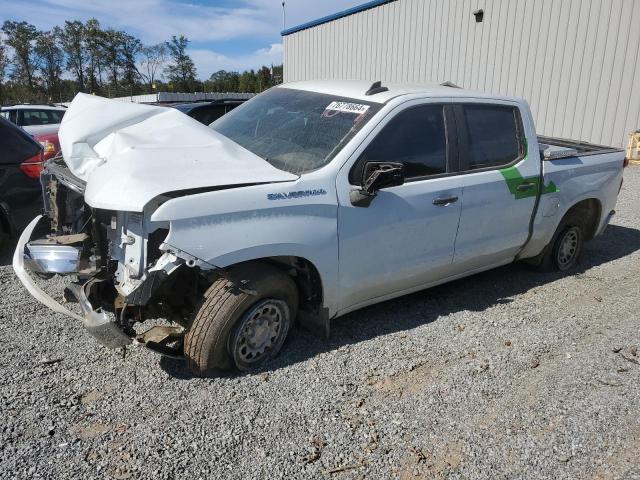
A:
(357, 89)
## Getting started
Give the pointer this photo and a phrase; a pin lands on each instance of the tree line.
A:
(52, 66)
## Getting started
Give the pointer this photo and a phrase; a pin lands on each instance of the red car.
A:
(48, 138)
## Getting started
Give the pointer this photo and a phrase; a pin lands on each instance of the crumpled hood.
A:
(130, 153)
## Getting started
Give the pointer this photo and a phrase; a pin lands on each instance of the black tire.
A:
(4, 236)
(564, 251)
(227, 317)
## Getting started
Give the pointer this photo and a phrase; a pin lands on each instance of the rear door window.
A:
(493, 135)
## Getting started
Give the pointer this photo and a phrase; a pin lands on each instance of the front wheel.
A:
(234, 328)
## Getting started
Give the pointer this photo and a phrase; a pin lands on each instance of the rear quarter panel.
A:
(579, 178)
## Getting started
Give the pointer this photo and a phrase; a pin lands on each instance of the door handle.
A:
(523, 187)
(444, 201)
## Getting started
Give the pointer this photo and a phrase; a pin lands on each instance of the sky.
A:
(224, 34)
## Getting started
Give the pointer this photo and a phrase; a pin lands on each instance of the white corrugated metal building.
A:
(576, 62)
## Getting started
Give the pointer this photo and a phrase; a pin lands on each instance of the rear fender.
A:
(577, 179)
(550, 215)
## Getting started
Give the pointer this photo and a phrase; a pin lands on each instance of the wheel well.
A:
(312, 314)
(307, 278)
(589, 211)
(305, 275)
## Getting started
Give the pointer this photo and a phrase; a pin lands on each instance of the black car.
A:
(207, 112)
(20, 191)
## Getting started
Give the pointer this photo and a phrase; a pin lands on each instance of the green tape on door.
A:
(514, 179)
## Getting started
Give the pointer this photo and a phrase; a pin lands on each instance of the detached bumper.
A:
(96, 322)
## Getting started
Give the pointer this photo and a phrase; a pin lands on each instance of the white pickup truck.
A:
(309, 201)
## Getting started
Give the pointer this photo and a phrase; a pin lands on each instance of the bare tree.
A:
(72, 40)
(181, 71)
(153, 60)
(130, 48)
(3, 62)
(93, 38)
(20, 36)
(50, 60)
(112, 55)
(3, 69)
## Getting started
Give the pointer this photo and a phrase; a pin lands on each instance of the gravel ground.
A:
(507, 374)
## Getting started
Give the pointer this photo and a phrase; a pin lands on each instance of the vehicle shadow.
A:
(476, 293)
(6, 252)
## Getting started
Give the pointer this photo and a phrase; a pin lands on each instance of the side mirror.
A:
(375, 176)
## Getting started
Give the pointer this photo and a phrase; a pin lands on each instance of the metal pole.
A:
(284, 23)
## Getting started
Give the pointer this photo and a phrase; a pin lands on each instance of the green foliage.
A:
(72, 38)
(3, 62)
(181, 72)
(77, 57)
(247, 81)
(130, 48)
(49, 60)
(20, 36)
(3, 68)
(223, 81)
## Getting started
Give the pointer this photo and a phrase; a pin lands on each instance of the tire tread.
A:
(205, 344)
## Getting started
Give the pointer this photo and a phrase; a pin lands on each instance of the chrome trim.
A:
(19, 269)
(52, 258)
(97, 323)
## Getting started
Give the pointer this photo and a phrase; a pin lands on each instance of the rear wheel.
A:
(568, 248)
(565, 248)
(234, 328)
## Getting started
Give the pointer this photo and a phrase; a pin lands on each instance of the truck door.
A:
(404, 238)
(499, 178)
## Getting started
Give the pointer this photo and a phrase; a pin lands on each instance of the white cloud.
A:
(209, 62)
(152, 20)
(253, 22)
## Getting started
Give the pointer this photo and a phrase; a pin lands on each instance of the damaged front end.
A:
(120, 272)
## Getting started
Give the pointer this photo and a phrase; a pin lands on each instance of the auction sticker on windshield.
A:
(347, 107)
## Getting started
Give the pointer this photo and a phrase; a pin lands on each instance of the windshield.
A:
(295, 130)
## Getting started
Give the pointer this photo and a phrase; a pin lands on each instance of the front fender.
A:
(240, 225)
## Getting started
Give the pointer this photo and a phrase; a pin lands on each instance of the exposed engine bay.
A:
(118, 258)
(147, 210)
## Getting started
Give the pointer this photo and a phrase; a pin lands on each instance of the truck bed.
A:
(552, 148)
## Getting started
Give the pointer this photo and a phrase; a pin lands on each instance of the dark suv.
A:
(20, 191)
(207, 112)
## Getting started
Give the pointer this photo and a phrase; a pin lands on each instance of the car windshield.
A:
(295, 130)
